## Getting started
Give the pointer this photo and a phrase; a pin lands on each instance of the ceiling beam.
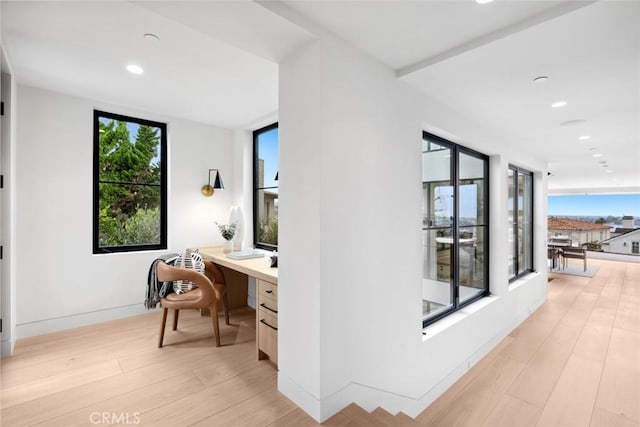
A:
(554, 12)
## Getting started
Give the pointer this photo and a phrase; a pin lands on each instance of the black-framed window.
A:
(520, 226)
(265, 187)
(455, 227)
(129, 183)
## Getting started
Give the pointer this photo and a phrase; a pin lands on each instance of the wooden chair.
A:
(210, 290)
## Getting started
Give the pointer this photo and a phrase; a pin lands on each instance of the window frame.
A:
(256, 188)
(516, 172)
(456, 150)
(162, 245)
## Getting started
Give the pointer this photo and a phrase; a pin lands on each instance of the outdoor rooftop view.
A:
(601, 223)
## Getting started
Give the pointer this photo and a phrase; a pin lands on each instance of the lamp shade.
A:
(208, 189)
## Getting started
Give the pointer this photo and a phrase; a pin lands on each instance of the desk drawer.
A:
(268, 291)
(267, 337)
(268, 319)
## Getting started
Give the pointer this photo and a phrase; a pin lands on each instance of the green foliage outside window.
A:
(268, 231)
(129, 179)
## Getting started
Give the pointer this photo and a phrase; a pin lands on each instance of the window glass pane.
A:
(125, 222)
(437, 187)
(268, 216)
(437, 291)
(437, 204)
(511, 243)
(471, 190)
(129, 186)
(525, 231)
(265, 212)
(471, 258)
(268, 158)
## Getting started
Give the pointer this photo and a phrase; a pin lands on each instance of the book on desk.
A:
(245, 254)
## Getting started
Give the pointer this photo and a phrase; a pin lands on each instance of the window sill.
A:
(456, 317)
(522, 280)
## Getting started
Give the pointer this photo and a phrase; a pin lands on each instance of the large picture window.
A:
(129, 184)
(265, 187)
(520, 217)
(455, 227)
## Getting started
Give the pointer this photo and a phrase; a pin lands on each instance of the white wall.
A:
(351, 246)
(7, 214)
(60, 283)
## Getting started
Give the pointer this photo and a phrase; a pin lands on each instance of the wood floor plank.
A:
(129, 406)
(444, 402)
(571, 402)
(256, 411)
(619, 391)
(594, 340)
(194, 407)
(40, 388)
(536, 382)
(512, 412)
(57, 404)
(476, 401)
(295, 418)
(603, 418)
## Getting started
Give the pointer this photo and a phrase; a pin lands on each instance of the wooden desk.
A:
(266, 297)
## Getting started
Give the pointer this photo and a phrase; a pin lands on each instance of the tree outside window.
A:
(129, 184)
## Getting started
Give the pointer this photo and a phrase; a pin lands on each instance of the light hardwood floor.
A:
(574, 362)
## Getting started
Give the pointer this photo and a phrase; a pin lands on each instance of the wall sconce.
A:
(208, 189)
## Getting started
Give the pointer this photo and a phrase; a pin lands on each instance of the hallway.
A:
(574, 362)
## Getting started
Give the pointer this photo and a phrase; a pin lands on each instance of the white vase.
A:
(229, 246)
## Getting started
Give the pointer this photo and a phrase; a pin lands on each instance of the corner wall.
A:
(351, 243)
(53, 256)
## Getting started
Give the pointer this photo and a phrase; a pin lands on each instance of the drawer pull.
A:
(269, 291)
(268, 308)
(272, 327)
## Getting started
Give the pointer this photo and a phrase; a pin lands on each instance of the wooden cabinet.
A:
(267, 320)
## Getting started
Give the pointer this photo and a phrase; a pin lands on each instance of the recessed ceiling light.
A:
(584, 137)
(151, 36)
(573, 122)
(608, 171)
(597, 155)
(559, 104)
(541, 79)
(483, 1)
(134, 69)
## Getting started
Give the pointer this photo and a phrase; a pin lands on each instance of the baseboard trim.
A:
(370, 398)
(6, 348)
(300, 396)
(45, 326)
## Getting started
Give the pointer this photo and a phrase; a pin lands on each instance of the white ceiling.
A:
(216, 62)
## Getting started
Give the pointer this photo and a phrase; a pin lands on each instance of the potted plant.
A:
(228, 232)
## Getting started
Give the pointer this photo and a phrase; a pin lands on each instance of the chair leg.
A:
(164, 321)
(216, 324)
(175, 318)
(225, 307)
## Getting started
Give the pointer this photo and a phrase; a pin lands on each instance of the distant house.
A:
(579, 232)
(627, 226)
(628, 243)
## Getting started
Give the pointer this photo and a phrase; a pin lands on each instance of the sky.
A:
(595, 205)
(269, 153)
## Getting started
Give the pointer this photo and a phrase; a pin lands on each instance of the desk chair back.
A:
(209, 292)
